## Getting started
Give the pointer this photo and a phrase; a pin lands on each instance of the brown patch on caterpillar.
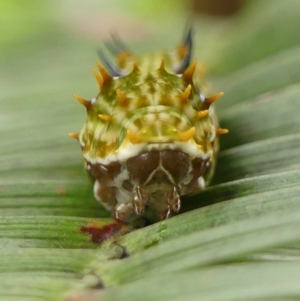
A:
(104, 173)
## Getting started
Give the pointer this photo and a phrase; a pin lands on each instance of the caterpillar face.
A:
(151, 135)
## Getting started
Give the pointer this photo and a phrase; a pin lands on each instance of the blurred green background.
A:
(252, 53)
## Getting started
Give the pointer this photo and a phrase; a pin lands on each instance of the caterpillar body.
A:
(151, 135)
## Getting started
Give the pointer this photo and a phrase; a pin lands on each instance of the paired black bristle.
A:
(111, 67)
(115, 47)
(119, 44)
(188, 43)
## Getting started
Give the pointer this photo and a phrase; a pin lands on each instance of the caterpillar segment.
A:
(150, 135)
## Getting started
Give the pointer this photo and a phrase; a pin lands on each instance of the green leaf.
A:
(246, 281)
(236, 240)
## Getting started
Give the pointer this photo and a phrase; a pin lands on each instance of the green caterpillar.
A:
(151, 135)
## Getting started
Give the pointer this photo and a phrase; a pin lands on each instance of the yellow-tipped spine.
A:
(105, 75)
(74, 135)
(162, 66)
(99, 78)
(186, 94)
(83, 101)
(187, 135)
(104, 117)
(189, 72)
(221, 131)
(133, 138)
(121, 97)
(210, 100)
(135, 67)
(203, 114)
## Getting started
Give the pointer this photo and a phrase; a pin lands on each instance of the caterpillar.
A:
(151, 135)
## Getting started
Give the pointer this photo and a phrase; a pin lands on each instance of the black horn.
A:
(187, 42)
(110, 66)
